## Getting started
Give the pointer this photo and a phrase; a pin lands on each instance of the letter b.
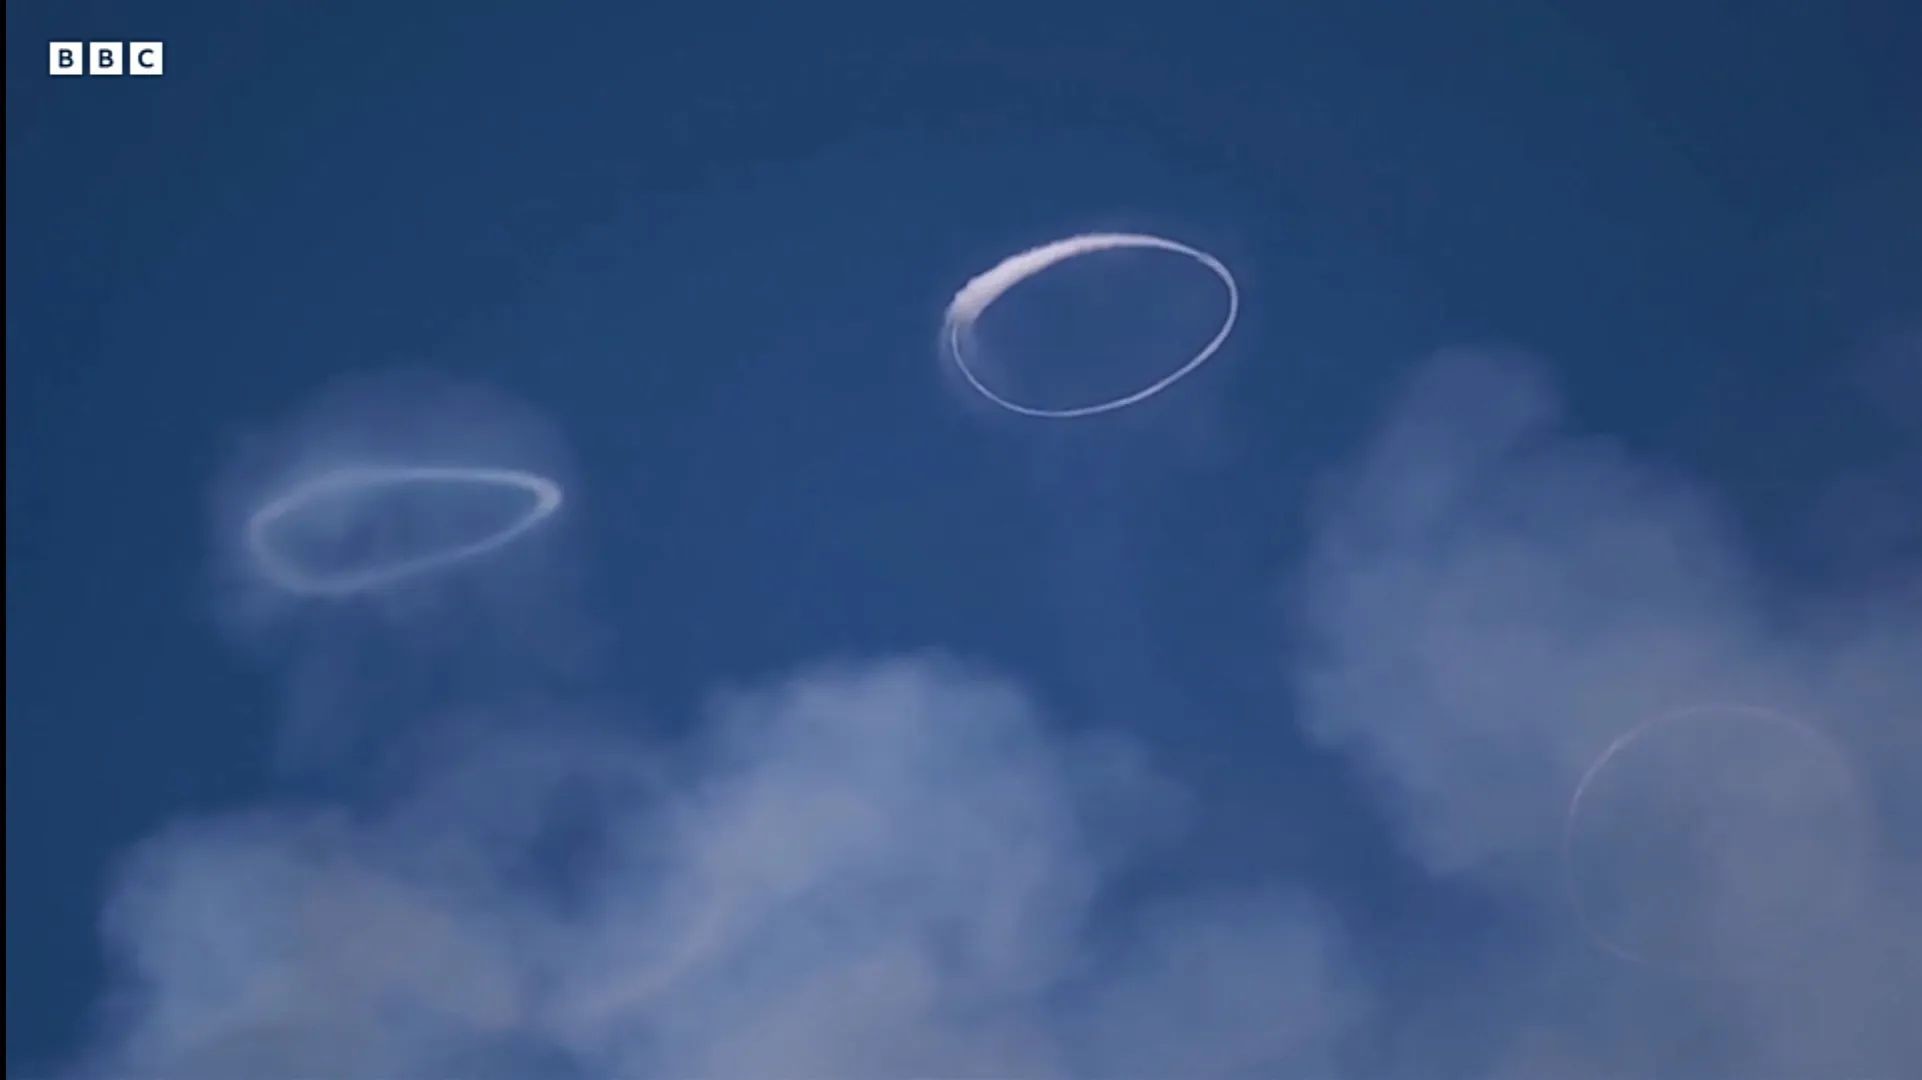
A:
(103, 58)
(63, 58)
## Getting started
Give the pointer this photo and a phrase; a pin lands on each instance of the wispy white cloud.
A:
(873, 870)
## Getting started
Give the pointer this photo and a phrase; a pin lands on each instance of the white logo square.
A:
(145, 57)
(65, 58)
(103, 58)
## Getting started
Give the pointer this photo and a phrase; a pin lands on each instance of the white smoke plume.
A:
(904, 867)
(1491, 602)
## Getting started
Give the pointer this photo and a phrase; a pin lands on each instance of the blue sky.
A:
(694, 267)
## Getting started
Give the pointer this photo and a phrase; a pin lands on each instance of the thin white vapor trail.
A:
(288, 575)
(984, 289)
(1821, 743)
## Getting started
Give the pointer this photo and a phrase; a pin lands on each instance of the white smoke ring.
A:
(286, 574)
(1583, 916)
(984, 289)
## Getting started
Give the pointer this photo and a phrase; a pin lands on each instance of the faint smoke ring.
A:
(984, 289)
(289, 574)
(1815, 742)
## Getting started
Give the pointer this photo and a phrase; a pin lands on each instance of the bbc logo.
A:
(105, 57)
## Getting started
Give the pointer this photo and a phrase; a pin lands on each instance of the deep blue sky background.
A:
(713, 250)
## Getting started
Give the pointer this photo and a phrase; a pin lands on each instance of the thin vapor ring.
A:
(1620, 949)
(291, 577)
(984, 289)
